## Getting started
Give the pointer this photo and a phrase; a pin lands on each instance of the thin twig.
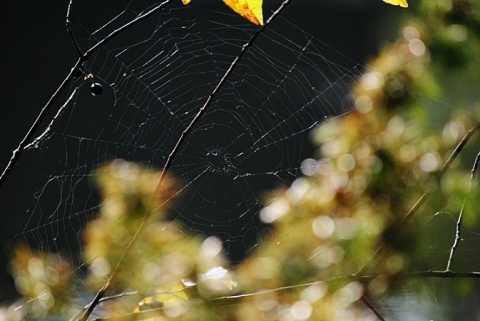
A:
(443, 274)
(442, 171)
(433, 274)
(458, 149)
(85, 313)
(57, 116)
(420, 274)
(127, 26)
(427, 193)
(118, 296)
(427, 274)
(68, 25)
(141, 315)
(41, 116)
(372, 308)
(458, 231)
(216, 90)
(73, 72)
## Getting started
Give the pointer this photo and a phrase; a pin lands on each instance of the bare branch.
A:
(460, 216)
(73, 72)
(442, 171)
(68, 25)
(425, 195)
(433, 274)
(140, 315)
(85, 313)
(420, 274)
(372, 308)
(57, 116)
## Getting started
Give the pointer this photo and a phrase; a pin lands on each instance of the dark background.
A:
(36, 54)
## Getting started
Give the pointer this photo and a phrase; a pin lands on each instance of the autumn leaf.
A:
(249, 9)
(401, 3)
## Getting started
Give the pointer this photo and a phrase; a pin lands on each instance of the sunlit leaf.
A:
(249, 9)
(401, 3)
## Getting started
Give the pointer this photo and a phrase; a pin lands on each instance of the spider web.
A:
(156, 76)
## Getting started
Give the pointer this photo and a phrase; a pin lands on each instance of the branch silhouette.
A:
(71, 75)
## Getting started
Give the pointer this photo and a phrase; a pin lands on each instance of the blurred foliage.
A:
(44, 280)
(341, 234)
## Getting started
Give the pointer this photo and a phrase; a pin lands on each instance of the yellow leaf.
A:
(176, 297)
(249, 9)
(185, 2)
(401, 3)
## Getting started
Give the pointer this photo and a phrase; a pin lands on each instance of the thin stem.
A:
(86, 312)
(458, 149)
(57, 116)
(420, 274)
(425, 274)
(118, 295)
(433, 274)
(68, 25)
(141, 315)
(216, 90)
(372, 308)
(442, 171)
(41, 116)
(458, 238)
(127, 26)
(458, 231)
(427, 193)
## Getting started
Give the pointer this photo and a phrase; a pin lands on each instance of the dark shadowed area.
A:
(36, 54)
